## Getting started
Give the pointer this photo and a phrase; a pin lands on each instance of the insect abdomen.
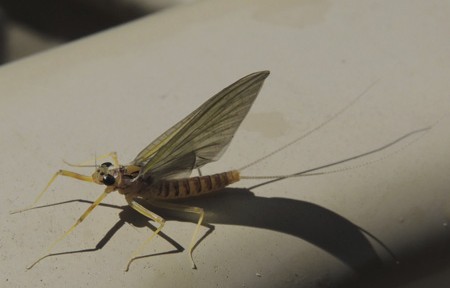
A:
(195, 186)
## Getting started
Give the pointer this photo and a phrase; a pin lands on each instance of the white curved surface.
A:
(120, 89)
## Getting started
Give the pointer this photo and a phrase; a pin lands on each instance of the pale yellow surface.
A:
(118, 90)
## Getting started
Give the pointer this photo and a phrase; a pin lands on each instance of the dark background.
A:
(27, 27)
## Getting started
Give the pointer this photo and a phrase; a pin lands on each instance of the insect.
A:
(161, 171)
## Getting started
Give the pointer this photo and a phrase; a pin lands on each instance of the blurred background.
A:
(28, 27)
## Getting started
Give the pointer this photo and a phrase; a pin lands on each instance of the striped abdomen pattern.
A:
(191, 187)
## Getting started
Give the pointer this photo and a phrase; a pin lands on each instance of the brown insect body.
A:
(163, 189)
(189, 187)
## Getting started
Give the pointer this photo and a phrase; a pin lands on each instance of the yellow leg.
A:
(82, 217)
(188, 209)
(113, 156)
(59, 173)
(149, 214)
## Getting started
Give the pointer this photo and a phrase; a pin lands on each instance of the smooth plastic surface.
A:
(118, 90)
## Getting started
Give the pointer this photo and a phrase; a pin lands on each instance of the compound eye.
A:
(106, 164)
(108, 180)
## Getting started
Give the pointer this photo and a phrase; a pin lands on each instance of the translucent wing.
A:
(203, 135)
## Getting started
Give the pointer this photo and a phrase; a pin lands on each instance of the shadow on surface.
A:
(325, 229)
(309, 222)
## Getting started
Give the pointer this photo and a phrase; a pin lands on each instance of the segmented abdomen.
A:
(191, 187)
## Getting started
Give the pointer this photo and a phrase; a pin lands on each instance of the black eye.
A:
(108, 180)
(106, 164)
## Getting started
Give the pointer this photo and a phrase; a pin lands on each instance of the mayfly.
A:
(160, 172)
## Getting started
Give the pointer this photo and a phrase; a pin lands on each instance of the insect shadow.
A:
(237, 206)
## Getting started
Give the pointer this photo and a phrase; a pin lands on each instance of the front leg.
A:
(82, 217)
(113, 156)
(71, 174)
(59, 173)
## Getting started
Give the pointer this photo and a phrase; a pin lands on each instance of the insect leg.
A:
(59, 173)
(113, 156)
(188, 209)
(82, 217)
(149, 214)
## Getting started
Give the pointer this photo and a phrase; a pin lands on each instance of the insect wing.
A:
(145, 155)
(202, 136)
